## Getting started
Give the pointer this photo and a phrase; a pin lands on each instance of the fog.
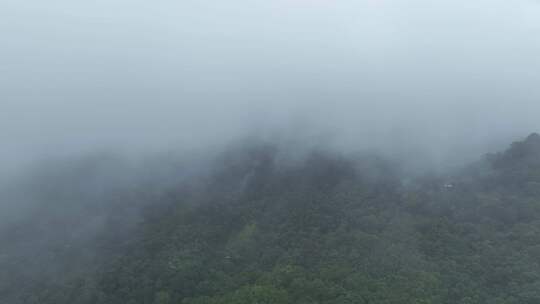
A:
(147, 130)
(452, 79)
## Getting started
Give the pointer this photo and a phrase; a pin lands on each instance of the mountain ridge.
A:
(323, 229)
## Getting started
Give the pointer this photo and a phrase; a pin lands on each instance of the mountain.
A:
(260, 226)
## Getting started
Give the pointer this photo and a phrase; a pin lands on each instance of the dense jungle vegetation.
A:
(258, 227)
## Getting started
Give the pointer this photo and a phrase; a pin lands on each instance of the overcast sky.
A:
(448, 76)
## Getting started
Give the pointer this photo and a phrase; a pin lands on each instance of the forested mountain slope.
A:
(263, 228)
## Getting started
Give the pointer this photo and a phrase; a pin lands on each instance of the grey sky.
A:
(448, 76)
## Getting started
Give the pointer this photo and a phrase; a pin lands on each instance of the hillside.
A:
(260, 227)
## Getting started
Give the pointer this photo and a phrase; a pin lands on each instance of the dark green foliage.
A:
(322, 230)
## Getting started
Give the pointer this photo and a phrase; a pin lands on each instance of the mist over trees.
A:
(258, 225)
(269, 152)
